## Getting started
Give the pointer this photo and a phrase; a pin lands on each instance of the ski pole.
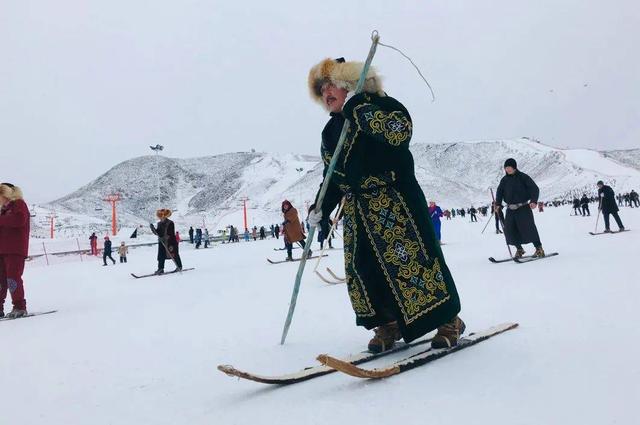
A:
(166, 248)
(502, 224)
(488, 221)
(598, 216)
(375, 37)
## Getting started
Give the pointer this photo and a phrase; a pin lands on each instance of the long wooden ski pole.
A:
(599, 211)
(375, 37)
(502, 224)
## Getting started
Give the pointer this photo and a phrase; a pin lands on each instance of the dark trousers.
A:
(473, 217)
(105, 256)
(615, 216)
(585, 210)
(11, 269)
(176, 258)
(289, 246)
(322, 243)
(123, 259)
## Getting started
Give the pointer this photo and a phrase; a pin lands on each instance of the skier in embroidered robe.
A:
(397, 279)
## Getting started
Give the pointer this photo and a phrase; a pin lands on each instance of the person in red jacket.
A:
(14, 247)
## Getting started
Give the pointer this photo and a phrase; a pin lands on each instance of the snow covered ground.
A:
(125, 351)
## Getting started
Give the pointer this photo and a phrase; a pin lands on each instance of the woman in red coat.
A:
(14, 247)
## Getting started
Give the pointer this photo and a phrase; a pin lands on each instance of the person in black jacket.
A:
(520, 193)
(584, 203)
(167, 243)
(106, 252)
(608, 206)
(576, 206)
(190, 234)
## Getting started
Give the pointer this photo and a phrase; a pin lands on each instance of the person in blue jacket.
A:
(436, 212)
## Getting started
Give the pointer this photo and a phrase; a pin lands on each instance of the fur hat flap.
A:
(163, 213)
(343, 74)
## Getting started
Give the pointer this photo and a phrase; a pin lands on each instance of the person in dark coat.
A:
(198, 238)
(397, 277)
(472, 212)
(576, 206)
(584, 203)
(634, 199)
(106, 252)
(498, 216)
(167, 244)
(608, 206)
(325, 227)
(277, 231)
(190, 234)
(520, 193)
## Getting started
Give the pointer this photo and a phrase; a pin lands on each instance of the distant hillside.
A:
(210, 189)
(629, 157)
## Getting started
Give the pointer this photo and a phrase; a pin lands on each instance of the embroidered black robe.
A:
(394, 265)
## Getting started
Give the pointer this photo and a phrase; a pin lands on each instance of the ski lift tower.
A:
(113, 199)
(51, 218)
(157, 149)
(244, 200)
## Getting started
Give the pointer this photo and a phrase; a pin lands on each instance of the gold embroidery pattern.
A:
(357, 291)
(394, 126)
(415, 279)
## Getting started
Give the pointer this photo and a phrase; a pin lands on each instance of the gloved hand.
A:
(315, 217)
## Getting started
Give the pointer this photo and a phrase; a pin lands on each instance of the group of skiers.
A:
(581, 206)
(629, 199)
(198, 237)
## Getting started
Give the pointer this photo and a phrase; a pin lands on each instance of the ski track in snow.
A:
(126, 351)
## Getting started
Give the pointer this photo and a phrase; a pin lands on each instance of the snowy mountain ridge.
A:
(210, 189)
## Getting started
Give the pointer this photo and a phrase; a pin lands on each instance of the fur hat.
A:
(10, 191)
(511, 163)
(344, 75)
(163, 213)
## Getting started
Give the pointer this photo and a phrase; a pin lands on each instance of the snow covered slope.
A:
(210, 189)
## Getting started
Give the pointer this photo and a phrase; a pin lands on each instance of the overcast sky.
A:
(85, 84)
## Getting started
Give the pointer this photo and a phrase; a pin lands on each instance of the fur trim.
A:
(344, 75)
(163, 213)
(10, 192)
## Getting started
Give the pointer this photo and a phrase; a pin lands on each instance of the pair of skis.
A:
(294, 260)
(140, 276)
(608, 233)
(337, 279)
(350, 364)
(3, 319)
(524, 259)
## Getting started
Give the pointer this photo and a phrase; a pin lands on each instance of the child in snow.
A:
(122, 251)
